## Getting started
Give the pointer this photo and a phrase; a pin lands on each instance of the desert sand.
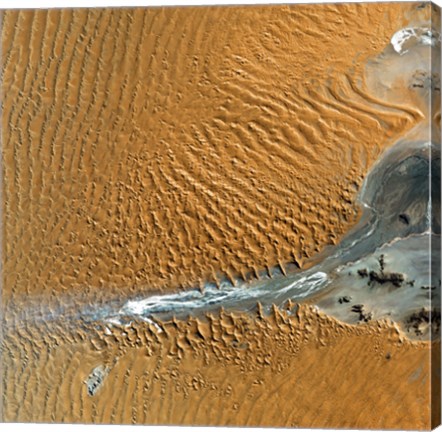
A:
(157, 150)
(295, 368)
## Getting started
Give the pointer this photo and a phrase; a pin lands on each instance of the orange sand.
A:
(303, 370)
(156, 149)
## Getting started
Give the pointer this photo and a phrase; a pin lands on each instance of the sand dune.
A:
(157, 149)
(295, 368)
(153, 151)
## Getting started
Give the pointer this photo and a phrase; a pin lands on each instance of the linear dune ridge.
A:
(156, 150)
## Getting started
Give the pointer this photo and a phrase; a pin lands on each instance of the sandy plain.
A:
(155, 150)
(294, 368)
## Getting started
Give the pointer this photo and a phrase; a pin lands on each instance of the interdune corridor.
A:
(153, 151)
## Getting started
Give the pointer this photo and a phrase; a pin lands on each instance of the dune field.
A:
(222, 215)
